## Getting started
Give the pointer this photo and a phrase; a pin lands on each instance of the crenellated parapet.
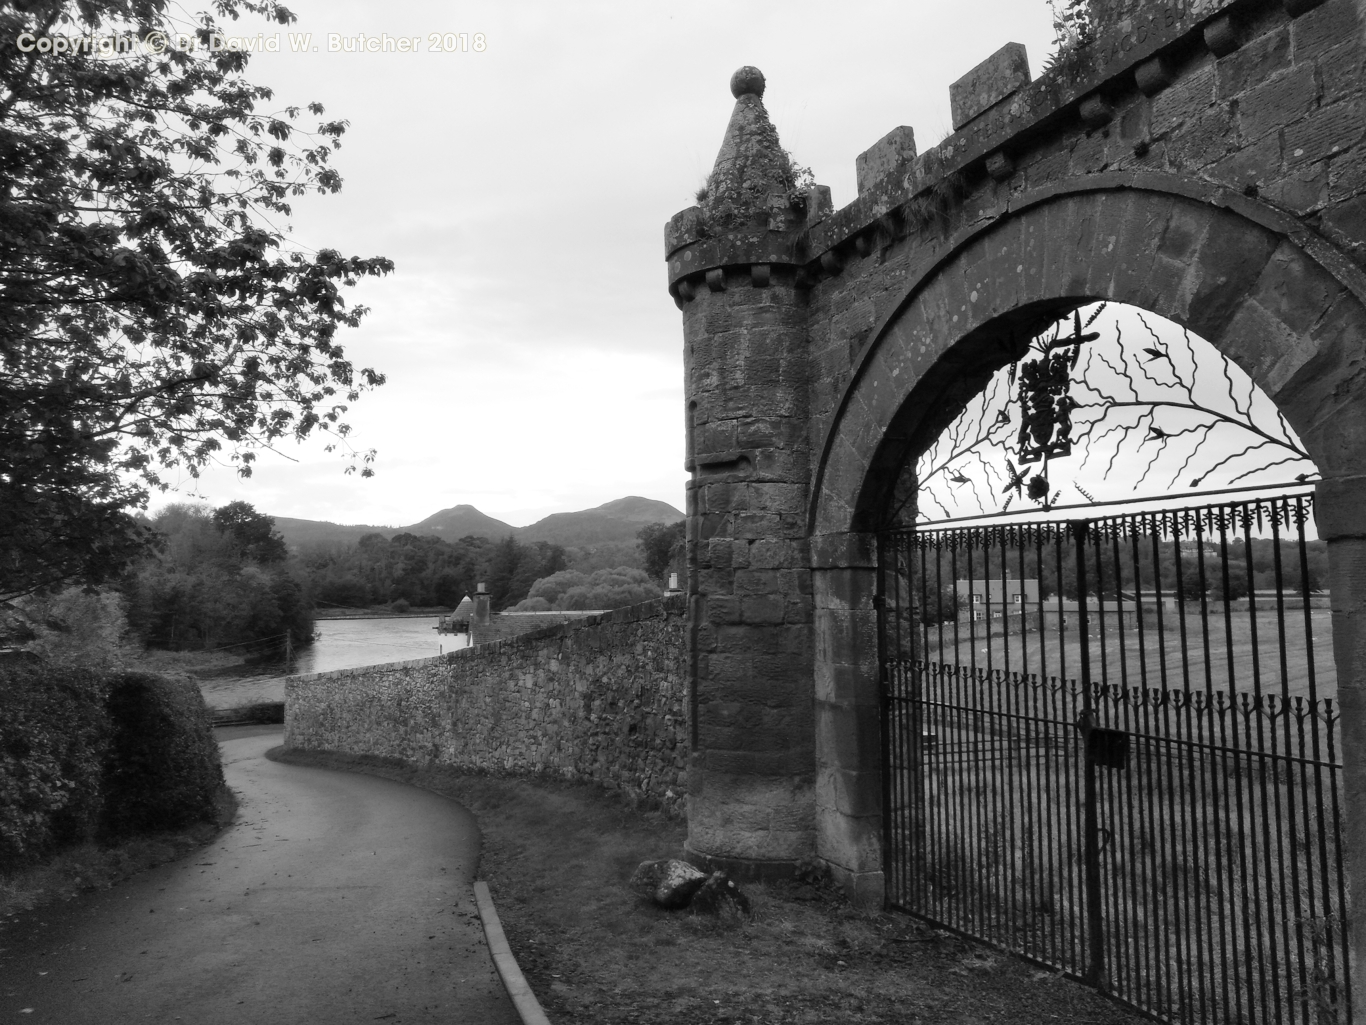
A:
(999, 114)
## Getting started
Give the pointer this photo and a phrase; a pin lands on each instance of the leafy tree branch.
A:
(154, 315)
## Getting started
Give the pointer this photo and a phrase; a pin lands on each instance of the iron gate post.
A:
(1095, 968)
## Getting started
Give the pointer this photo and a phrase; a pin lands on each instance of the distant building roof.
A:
(465, 608)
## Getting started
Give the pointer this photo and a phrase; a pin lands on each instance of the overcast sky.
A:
(534, 358)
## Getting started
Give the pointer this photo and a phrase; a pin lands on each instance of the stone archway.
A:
(1267, 295)
(1202, 160)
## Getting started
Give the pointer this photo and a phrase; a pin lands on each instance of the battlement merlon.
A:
(1001, 113)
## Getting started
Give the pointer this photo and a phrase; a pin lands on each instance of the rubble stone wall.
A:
(502, 625)
(602, 699)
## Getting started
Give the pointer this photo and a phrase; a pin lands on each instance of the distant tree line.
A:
(426, 571)
(1192, 575)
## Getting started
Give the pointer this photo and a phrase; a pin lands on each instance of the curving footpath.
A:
(334, 898)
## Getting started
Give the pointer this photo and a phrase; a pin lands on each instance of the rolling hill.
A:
(615, 521)
(459, 521)
(619, 520)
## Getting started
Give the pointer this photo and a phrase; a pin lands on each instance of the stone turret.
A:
(752, 170)
(751, 804)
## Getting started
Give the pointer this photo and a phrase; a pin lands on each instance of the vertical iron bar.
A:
(1218, 766)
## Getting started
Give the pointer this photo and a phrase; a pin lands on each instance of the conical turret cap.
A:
(751, 165)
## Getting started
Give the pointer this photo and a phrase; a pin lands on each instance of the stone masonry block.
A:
(845, 589)
(1302, 191)
(997, 77)
(777, 497)
(1255, 63)
(1340, 513)
(1324, 28)
(760, 610)
(774, 554)
(891, 153)
(1345, 224)
(1184, 101)
(1341, 71)
(1277, 102)
(1325, 132)
(846, 638)
(1252, 167)
(849, 736)
(1071, 231)
(795, 583)
(1113, 218)
(797, 610)
(716, 581)
(847, 684)
(1346, 176)
(758, 581)
(1233, 256)
(1204, 139)
(755, 639)
(770, 432)
(1349, 649)
(1295, 290)
(852, 843)
(849, 791)
(722, 609)
(1134, 273)
(781, 465)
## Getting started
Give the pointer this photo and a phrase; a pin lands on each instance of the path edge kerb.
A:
(523, 999)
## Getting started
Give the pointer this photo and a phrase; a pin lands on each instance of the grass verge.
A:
(557, 857)
(91, 866)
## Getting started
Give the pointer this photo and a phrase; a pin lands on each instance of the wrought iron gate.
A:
(1110, 746)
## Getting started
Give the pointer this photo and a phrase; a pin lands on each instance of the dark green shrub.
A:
(163, 769)
(53, 737)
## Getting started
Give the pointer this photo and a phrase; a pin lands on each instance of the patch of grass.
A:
(557, 857)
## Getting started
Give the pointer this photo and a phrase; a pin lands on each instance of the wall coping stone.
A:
(675, 604)
(997, 77)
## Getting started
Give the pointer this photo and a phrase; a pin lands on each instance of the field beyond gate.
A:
(1155, 807)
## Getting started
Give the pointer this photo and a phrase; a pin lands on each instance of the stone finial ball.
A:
(747, 80)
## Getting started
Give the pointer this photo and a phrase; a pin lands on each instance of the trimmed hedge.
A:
(88, 757)
(53, 734)
(162, 768)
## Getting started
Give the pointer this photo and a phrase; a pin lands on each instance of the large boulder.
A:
(671, 883)
(718, 891)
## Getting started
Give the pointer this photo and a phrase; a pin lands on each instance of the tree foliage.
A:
(661, 544)
(426, 571)
(572, 590)
(154, 315)
(205, 588)
(252, 533)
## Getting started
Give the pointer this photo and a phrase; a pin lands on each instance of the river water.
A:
(339, 644)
